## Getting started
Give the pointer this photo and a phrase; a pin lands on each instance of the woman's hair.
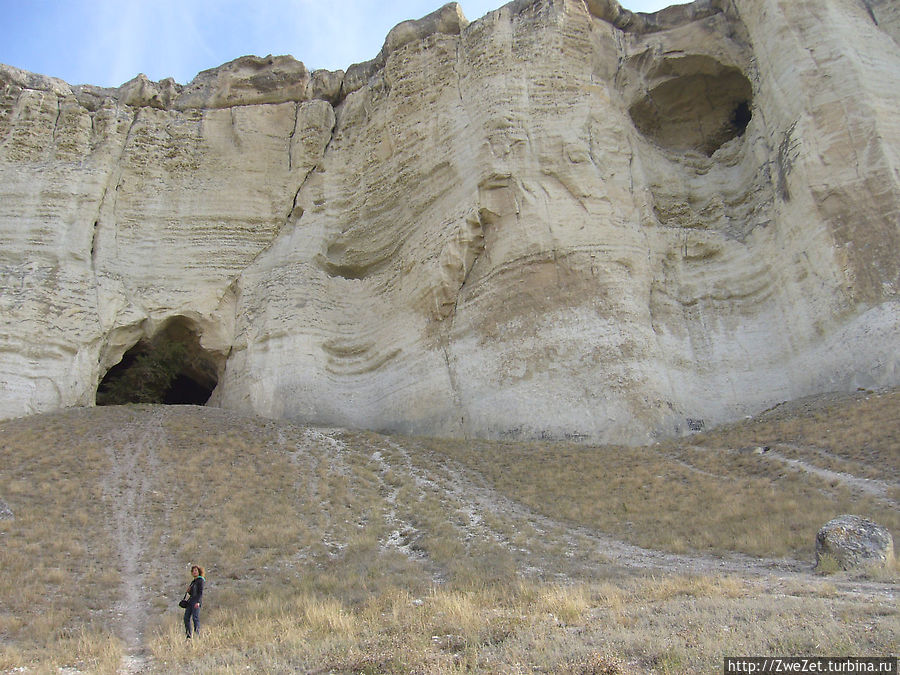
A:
(199, 569)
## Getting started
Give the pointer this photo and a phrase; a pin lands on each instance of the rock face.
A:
(854, 542)
(563, 220)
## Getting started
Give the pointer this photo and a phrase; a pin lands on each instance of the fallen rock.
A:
(854, 542)
(5, 512)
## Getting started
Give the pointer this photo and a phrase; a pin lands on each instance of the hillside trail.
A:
(877, 488)
(129, 488)
(474, 495)
(133, 490)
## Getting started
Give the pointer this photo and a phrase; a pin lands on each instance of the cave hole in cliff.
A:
(699, 106)
(741, 116)
(171, 368)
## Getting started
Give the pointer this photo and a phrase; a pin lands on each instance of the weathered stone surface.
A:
(853, 542)
(553, 222)
(636, 22)
(886, 15)
(448, 20)
(142, 92)
(249, 80)
(326, 85)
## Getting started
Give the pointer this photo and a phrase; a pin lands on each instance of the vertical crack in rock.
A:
(296, 212)
(315, 165)
(456, 262)
(465, 249)
(621, 58)
(59, 101)
(115, 177)
(290, 147)
(451, 371)
(456, 70)
(868, 5)
(671, 392)
(454, 383)
(787, 153)
(235, 137)
(94, 238)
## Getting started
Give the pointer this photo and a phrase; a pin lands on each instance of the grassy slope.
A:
(340, 551)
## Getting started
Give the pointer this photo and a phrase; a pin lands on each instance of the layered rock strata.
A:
(562, 220)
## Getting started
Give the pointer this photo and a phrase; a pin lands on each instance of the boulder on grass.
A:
(852, 542)
(5, 512)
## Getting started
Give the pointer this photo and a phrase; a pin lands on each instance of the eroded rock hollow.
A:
(562, 220)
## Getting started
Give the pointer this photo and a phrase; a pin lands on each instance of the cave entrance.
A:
(169, 368)
(699, 106)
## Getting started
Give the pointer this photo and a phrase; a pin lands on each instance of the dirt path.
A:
(475, 497)
(870, 486)
(133, 465)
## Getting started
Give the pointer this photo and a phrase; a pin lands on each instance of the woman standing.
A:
(195, 593)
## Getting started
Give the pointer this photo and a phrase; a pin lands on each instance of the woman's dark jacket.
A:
(195, 590)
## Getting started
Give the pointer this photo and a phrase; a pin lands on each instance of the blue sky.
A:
(108, 42)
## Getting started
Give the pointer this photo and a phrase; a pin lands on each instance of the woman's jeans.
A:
(191, 612)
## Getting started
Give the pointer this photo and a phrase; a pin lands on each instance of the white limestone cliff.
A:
(562, 220)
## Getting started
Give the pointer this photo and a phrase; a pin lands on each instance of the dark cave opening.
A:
(741, 116)
(698, 105)
(170, 368)
(186, 391)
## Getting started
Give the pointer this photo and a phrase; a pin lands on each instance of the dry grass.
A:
(858, 433)
(55, 555)
(682, 625)
(332, 551)
(712, 492)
